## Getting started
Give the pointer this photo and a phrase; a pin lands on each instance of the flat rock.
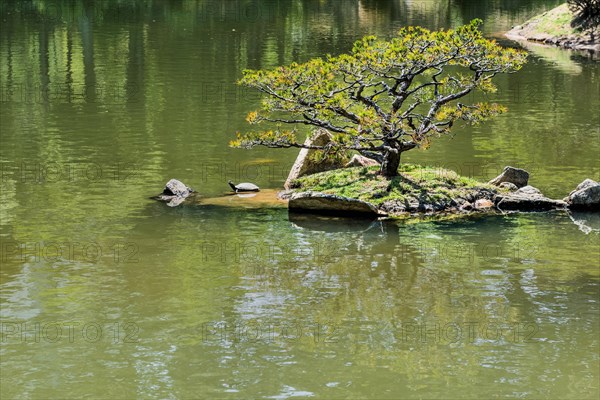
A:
(517, 176)
(527, 198)
(483, 204)
(322, 203)
(585, 196)
(306, 164)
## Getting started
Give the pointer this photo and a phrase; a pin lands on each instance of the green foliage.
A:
(386, 95)
(414, 181)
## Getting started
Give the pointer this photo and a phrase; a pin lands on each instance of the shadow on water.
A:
(320, 223)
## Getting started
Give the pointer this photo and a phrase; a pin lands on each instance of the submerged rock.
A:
(585, 196)
(305, 163)
(527, 198)
(517, 176)
(174, 193)
(265, 199)
(322, 203)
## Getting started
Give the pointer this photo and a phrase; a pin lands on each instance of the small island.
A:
(368, 107)
(416, 190)
(562, 27)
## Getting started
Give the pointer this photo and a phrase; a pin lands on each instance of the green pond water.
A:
(108, 294)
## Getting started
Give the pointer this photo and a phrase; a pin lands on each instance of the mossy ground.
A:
(413, 182)
(556, 22)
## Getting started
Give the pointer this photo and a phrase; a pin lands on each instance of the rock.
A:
(305, 163)
(508, 186)
(466, 206)
(483, 204)
(516, 176)
(360, 161)
(585, 184)
(529, 191)
(174, 193)
(527, 198)
(585, 196)
(177, 188)
(428, 204)
(285, 194)
(331, 204)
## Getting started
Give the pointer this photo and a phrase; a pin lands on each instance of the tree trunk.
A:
(391, 157)
(391, 162)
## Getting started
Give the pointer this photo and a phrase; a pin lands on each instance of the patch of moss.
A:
(414, 182)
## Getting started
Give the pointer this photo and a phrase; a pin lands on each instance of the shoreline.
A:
(416, 191)
(420, 190)
(565, 43)
(550, 28)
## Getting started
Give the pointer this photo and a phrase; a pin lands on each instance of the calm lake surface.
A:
(108, 294)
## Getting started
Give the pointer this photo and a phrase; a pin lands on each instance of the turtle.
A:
(244, 187)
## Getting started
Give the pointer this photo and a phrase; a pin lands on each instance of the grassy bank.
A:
(556, 22)
(554, 27)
